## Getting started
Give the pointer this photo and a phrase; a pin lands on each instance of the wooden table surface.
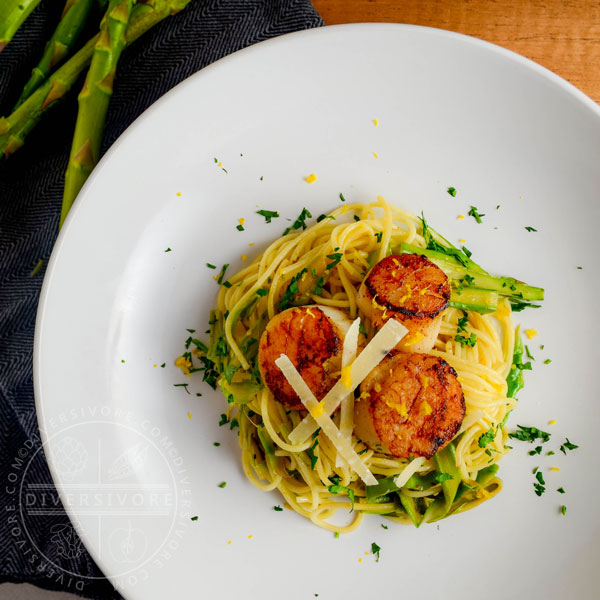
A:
(561, 35)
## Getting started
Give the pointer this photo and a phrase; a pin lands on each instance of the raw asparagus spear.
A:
(12, 15)
(63, 39)
(94, 99)
(15, 127)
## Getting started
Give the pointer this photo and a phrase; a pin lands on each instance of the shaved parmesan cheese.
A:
(347, 408)
(410, 469)
(342, 445)
(385, 339)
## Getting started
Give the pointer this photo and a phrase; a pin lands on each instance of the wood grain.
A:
(563, 36)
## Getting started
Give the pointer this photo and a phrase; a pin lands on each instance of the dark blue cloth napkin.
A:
(31, 184)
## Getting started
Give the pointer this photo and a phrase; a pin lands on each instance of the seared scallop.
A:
(312, 337)
(411, 405)
(410, 289)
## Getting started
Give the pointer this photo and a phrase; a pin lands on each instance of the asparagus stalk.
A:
(505, 286)
(94, 99)
(63, 39)
(12, 15)
(15, 127)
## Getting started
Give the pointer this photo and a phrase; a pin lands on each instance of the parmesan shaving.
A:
(342, 445)
(410, 469)
(347, 409)
(376, 350)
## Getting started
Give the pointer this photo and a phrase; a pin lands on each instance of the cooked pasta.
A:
(325, 264)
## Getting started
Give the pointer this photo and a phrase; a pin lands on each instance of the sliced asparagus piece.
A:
(505, 286)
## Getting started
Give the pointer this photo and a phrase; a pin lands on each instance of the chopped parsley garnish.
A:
(183, 385)
(441, 477)
(568, 446)
(194, 518)
(210, 266)
(467, 279)
(452, 191)
(222, 484)
(530, 229)
(222, 274)
(375, 549)
(277, 508)
(539, 486)
(561, 490)
(467, 251)
(466, 341)
(299, 222)
(563, 510)
(168, 250)
(234, 423)
(518, 306)
(461, 325)
(529, 434)
(486, 438)
(224, 420)
(262, 292)
(335, 258)
(547, 361)
(288, 295)
(319, 287)
(384, 526)
(357, 218)
(342, 197)
(267, 214)
(527, 351)
(163, 365)
(536, 450)
(378, 236)
(216, 444)
(337, 489)
(473, 212)
(323, 217)
(239, 227)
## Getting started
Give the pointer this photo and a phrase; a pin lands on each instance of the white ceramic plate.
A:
(515, 141)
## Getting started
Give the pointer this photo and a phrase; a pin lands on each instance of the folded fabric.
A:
(31, 183)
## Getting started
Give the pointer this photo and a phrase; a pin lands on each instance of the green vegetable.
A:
(61, 43)
(456, 272)
(445, 462)
(267, 444)
(473, 212)
(267, 214)
(452, 191)
(12, 15)
(515, 379)
(410, 506)
(529, 434)
(375, 549)
(466, 341)
(299, 222)
(568, 446)
(15, 127)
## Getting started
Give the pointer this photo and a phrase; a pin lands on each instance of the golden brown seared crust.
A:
(314, 345)
(412, 290)
(415, 405)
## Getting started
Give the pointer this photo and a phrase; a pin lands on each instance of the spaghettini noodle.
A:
(306, 475)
